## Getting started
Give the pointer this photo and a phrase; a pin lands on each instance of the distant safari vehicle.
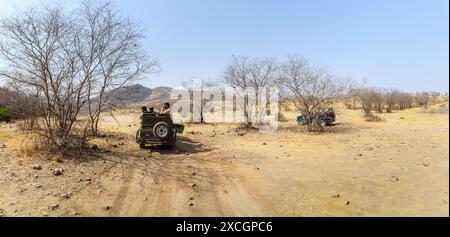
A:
(325, 118)
(157, 130)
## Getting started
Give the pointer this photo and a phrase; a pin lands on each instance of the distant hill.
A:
(157, 97)
(138, 95)
(129, 95)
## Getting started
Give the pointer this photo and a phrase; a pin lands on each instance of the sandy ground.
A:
(398, 167)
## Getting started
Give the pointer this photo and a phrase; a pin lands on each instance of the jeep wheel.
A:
(142, 146)
(161, 130)
(323, 123)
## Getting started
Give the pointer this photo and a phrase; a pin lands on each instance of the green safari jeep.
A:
(157, 130)
(325, 118)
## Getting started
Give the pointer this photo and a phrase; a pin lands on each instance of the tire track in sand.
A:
(122, 193)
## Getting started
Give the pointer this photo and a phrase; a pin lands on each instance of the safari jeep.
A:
(157, 130)
(325, 118)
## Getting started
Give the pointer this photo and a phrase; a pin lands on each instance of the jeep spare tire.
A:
(161, 130)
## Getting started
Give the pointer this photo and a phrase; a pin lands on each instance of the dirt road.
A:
(398, 167)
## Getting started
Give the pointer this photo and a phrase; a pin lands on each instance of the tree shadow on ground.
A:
(183, 145)
(335, 128)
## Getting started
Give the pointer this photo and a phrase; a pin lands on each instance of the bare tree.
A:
(244, 73)
(423, 99)
(311, 89)
(378, 100)
(40, 52)
(390, 99)
(404, 100)
(202, 84)
(110, 54)
(68, 59)
(371, 99)
(22, 104)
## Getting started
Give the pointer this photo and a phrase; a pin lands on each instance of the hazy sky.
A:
(390, 43)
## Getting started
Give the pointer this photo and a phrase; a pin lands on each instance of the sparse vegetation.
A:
(5, 115)
(311, 89)
(66, 60)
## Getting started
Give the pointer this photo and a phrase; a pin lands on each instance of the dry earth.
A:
(398, 167)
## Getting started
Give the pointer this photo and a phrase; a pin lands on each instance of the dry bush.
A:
(422, 99)
(29, 145)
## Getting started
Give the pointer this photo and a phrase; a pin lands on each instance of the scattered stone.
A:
(360, 154)
(402, 118)
(74, 213)
(256, 168)
(394, 179)
(191, 198)
(58, 171)
(240, 134)
(191, 204)
(45, 213)
(194, 173)
(194, 185)
(115, 146)
(187, 153)
(425, 164)
(348, 203)
(54, 206)
(65, 195)
(336, 196)
(107, 208)
(88, 179)
(264, 143)
(36, 167)
(2, 146)
(94, 147)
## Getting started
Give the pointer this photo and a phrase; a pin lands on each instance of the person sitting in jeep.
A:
(165, 110)
(152, 111)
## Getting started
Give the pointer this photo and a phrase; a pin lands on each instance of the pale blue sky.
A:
(390, 43)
